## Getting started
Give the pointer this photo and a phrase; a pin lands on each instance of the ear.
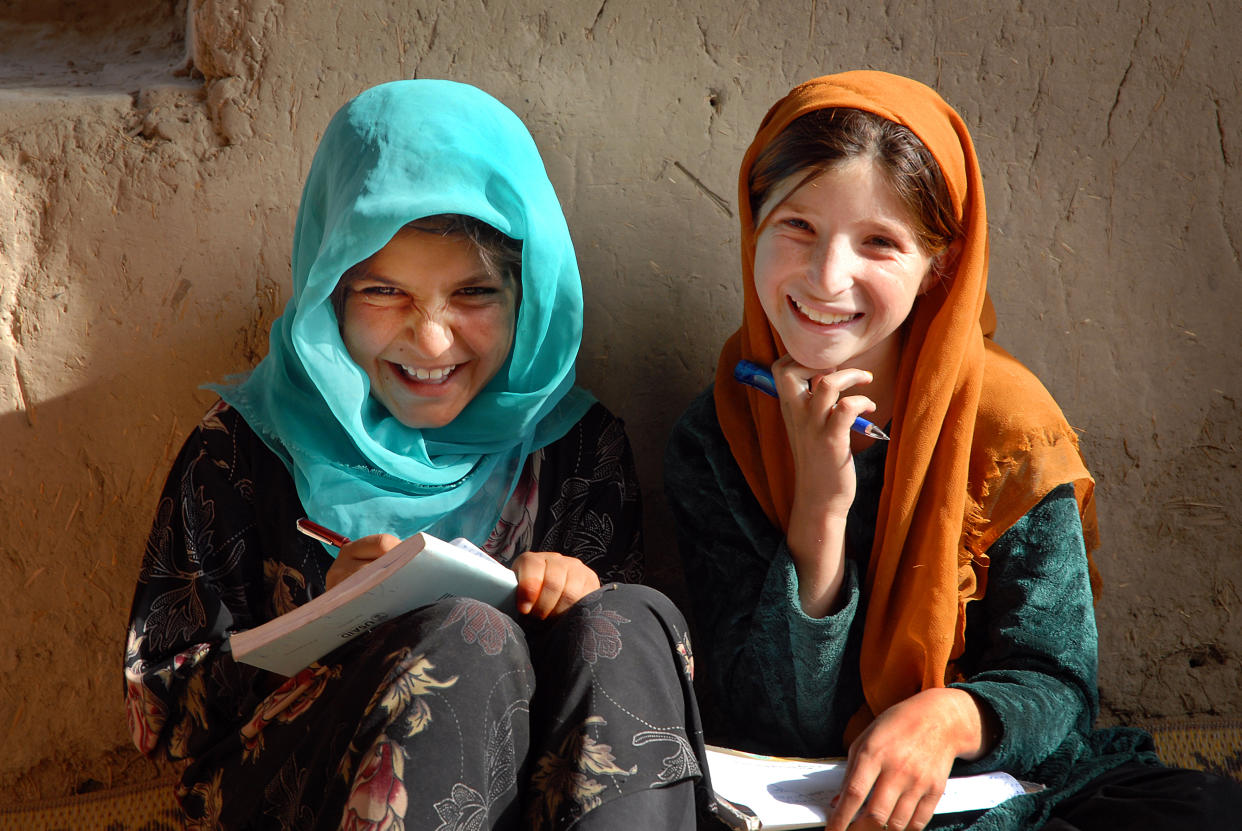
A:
(942, 265)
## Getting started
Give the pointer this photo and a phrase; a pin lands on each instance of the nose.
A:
(832, 267)
(431, 334)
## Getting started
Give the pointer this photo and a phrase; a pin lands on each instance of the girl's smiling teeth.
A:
(820, 317)
(427, 376)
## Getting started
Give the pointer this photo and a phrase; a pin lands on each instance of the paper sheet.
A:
(789, 793)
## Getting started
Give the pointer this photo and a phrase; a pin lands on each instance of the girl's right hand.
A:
(356, 554)
(817, 421)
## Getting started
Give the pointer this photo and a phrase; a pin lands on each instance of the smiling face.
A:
(838, 266)
(428, 324)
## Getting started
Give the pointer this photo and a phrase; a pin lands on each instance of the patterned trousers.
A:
(454, 716)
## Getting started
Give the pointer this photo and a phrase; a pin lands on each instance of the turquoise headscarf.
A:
(399, 152)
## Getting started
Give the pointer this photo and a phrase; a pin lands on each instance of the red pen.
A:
(318, 532)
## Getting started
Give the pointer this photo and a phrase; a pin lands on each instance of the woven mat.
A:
(149, 806)
(1203, 743)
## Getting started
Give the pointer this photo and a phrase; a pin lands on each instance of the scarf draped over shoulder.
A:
(399, 152)
(976, 439)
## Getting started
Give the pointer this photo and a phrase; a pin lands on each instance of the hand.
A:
(549, 583)
(818, 418)
(817, 422)
(898, 767)
(356, 554)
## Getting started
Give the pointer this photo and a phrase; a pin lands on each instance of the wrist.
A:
(817, 549)
(986, 727)
(975, 729)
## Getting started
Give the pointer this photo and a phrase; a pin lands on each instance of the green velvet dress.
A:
(776, 681)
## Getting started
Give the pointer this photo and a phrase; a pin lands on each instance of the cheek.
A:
(767, 283)
(894, 298)
(489, 334)
(363, 333)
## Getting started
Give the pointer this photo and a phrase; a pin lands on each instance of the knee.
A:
(633, 601)
(623, 613)
(456, 624)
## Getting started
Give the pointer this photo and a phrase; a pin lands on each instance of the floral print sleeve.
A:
(589, 499)
(203, 576)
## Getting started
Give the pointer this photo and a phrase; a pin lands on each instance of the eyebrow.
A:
(886, 219)
(366, 272)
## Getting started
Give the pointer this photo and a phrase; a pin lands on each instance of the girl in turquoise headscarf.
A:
(421, 378)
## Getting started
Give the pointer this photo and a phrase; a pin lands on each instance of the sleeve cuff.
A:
(780, 594)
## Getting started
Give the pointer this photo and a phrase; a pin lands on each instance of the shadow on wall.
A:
(78, 492)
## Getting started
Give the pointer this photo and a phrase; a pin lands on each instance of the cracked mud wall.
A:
(151, 157)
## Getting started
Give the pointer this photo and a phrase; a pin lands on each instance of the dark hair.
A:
(500, 254)
(823, 139)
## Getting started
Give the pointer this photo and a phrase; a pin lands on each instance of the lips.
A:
(422, 375)
(822, 318)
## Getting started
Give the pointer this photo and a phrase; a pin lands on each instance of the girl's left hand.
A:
(549, 583)
(898, 767)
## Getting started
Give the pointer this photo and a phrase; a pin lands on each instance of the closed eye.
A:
(797, 223)
(379, 291)
(378, 294)
(478, 291)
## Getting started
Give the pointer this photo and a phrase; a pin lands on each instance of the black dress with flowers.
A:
(451, 716)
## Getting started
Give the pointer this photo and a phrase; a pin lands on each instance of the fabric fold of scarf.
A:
(395, 153)
(977, 440)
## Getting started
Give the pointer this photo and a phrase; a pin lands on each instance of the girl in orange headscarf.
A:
(923, 603)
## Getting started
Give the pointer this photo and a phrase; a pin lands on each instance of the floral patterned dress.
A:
(453, 716)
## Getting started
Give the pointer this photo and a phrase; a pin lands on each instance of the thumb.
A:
(530, 583)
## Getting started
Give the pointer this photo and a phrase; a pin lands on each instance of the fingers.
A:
(875, 798)
(834, 385)
(529, 572)
(842, 414)
(924, 811)
(796, 382)
(356, 554)
(888, 803)
(889, 806)
(859, 777)
(792, 379)
(811, 399)
(549, 583)
(365, 549)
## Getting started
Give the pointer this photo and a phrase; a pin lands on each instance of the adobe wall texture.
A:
(151, 157)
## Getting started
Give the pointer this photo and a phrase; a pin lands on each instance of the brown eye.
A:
(377, 293)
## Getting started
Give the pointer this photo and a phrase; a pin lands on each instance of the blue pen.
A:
(753, 375)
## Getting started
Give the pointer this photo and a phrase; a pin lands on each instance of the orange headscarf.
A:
(977, 440)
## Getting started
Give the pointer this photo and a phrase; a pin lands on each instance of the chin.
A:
(818, 361)
(423, 418)
(425, 422)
